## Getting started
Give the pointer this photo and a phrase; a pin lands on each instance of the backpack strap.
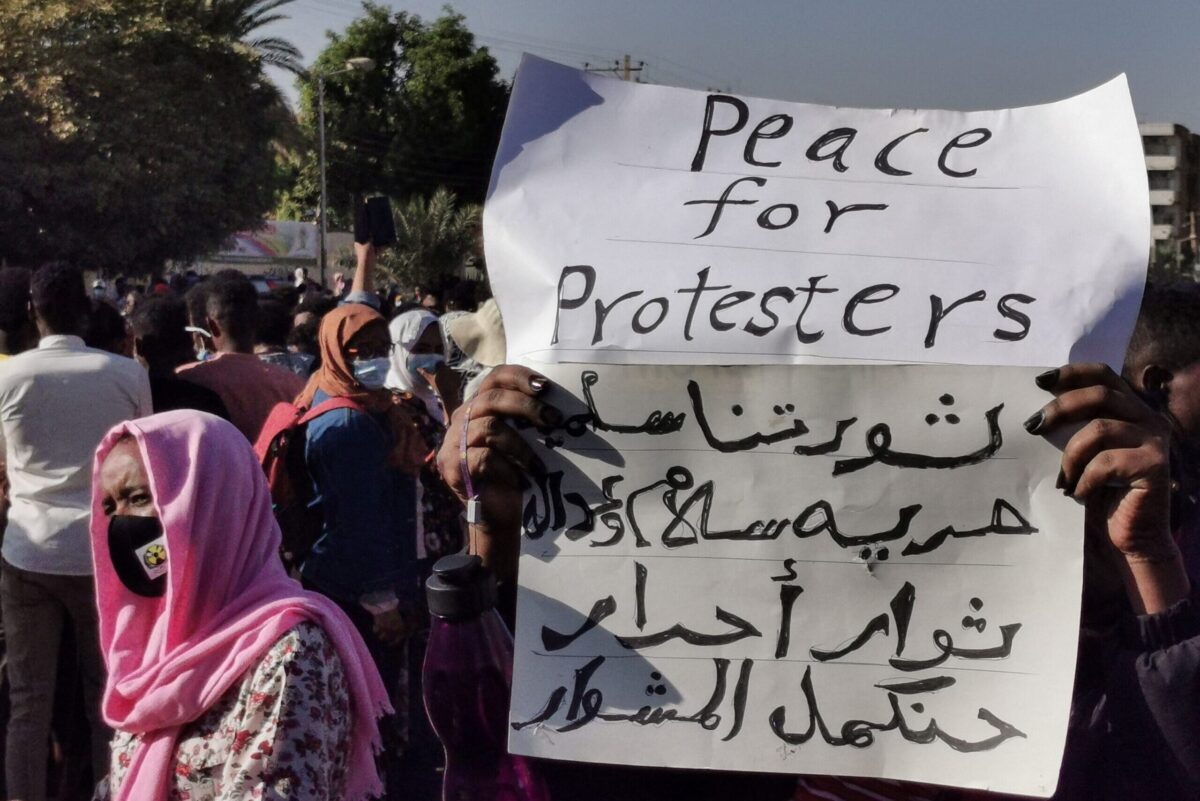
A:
(330, 405)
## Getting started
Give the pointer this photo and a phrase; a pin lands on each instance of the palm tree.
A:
(435, 238)
(240, 19)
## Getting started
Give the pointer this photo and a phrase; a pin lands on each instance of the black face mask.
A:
(139, 554)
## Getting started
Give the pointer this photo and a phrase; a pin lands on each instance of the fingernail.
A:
(1035, 422)
(1047, 379)
(551, 416)
(537, 383)
(1061, 483)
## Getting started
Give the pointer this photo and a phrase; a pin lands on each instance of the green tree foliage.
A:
(435, 238)
(133, 132)
(428, 115)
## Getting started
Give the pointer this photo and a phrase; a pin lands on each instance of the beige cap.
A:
(480, 335)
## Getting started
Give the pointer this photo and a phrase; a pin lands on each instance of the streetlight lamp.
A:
(352, 65)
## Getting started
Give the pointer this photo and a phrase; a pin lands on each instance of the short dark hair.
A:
(58, 297)
(318, 305)
(14, 299)
(1167, 332)
(105, 328)
(197, 303)
(158, 324)
(232, 301)
(273, 324)
(304, 338)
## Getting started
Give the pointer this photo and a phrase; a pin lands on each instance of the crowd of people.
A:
(169, 636)
(172, 382)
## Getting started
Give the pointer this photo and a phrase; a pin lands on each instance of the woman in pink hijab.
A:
(226, 680)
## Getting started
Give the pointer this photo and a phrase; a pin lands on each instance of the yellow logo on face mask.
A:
(155, 555)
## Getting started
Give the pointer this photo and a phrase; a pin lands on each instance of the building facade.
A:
(1171, 166)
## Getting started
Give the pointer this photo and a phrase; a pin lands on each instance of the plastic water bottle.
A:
(468, 680)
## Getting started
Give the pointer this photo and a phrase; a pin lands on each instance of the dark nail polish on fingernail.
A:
(1047, 379)
(1034, 423)
(537, 383)
(1061, 483)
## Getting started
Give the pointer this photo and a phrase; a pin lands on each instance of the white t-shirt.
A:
(56, 403)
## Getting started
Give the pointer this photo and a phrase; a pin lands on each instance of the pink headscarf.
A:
(228, 601)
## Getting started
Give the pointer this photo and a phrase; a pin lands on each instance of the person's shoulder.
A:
(349, 420)
(306, 648)
(16, 364)
(115, 361)
(280, 375)
(173, 392)
(123, 368)
(189, 367)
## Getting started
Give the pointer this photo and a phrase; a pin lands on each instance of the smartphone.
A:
(380, 221)
(362, 224)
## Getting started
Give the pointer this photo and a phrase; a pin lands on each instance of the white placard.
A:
(880, 503)
(726, 555)
(1016, 236)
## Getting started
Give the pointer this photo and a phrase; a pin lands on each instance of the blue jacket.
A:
(368, 543)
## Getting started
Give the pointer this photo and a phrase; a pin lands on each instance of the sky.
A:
(958, 54)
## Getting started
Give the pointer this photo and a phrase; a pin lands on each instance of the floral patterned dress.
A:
(282, 733)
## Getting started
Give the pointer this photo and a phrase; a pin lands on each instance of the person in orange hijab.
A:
(366, 463)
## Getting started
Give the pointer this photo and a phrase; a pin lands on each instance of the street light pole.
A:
(321, 230)
(352, 65)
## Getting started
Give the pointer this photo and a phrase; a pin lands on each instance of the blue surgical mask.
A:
(203, 355)
(424, 361)
(371, 373)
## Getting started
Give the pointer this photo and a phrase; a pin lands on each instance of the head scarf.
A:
(336, 379)
(406, 329)
(336, 376)
(228, 600)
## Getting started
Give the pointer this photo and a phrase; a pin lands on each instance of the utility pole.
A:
(352, 65)
(623, 68)
(321, 230)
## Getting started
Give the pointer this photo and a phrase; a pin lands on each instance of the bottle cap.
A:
(460, 588)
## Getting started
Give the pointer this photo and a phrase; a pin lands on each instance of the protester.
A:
(418, 359)
(477, 339)
(418, 368)
(17, 334)
(130, 300)
(311, 308)
(106, 329)
(227, 680)
(303, 340)
(366, 465)
(196, 300)
(461, 297)
(271, 339)
(1136, 715)
(161, 344)
(1163, 366)
(56, 402)
(247, 386)
(17, 331)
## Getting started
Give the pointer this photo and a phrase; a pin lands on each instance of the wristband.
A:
(474, 507)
